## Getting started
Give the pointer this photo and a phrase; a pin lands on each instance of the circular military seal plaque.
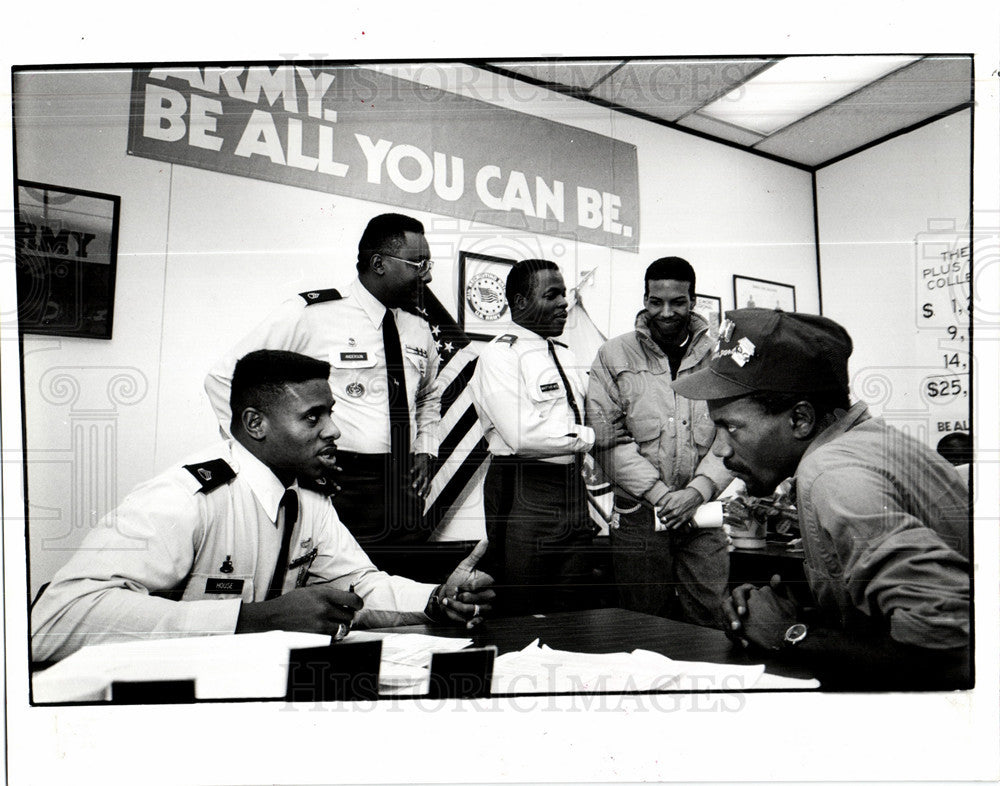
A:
(485, 296)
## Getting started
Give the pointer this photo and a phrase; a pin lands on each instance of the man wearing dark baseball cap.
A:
(885, 521)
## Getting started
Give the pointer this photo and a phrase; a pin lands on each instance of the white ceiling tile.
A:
(914, 94)
(669, 89)
(798, 86)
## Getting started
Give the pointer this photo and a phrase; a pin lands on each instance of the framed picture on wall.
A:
(65, 260)
(710, 307)
(483, 312)
(758, 293)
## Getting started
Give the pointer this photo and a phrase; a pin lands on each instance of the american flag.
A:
(463, 455)
(488, 295)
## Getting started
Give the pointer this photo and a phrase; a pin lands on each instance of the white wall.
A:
(884, 214)
(203, 256)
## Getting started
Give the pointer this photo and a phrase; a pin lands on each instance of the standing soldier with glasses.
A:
(383, 362)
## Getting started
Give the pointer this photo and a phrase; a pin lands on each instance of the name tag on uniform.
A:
(224, 587)
(348, 356)
(549, 387)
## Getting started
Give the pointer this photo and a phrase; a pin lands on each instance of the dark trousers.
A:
(539, 530)
(380, 509)
(681, 575)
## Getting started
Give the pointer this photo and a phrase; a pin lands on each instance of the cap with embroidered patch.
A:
(761, 349)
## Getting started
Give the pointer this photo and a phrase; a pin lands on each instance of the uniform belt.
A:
(363, 461)
(533, 464)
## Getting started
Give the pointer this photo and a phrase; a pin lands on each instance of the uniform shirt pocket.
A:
(416, 365)
(547, 387)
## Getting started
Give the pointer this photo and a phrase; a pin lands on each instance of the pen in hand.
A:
(345, 627)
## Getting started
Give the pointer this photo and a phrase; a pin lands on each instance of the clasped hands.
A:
(675, 509)
(759, 616)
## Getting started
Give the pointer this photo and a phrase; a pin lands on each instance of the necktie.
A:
(580, 509)
(565, 381)
(399, 416)
(290, 504)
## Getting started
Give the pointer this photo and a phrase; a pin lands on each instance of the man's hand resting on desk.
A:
(317, 609)
(759, 616)
(466, 594)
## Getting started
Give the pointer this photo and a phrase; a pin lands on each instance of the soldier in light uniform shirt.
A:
(535, 501)
(231, 543)
(348, 331)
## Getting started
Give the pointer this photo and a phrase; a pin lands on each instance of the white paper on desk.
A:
(540, 669)
(776, 682)
(406, 658)
(700, 675)
(249, 665)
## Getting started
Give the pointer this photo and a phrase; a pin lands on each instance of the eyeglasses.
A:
(422, 265)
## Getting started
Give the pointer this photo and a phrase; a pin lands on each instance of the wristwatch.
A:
(795, 634)
(434, 609)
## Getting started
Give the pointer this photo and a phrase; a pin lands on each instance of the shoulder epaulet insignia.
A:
(507, 338)
(211, 474)
(320, 296)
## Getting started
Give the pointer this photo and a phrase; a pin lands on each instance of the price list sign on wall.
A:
(944, 303)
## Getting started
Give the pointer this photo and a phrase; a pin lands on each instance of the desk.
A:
(255, 666)
(610, 630)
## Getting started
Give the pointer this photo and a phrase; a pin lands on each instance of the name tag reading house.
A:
(224, 587)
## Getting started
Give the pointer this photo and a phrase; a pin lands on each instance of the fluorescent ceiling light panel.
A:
(795, 87)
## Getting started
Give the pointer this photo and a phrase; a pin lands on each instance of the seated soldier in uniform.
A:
(230, 544)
